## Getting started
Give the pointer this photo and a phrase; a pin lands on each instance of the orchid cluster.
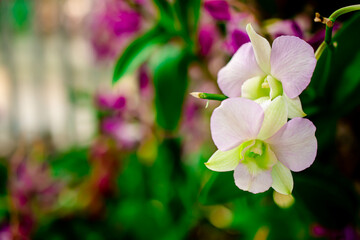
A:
(250, 128)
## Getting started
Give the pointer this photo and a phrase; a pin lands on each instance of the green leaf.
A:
(73, 164)
(221, 188)
(188, 13)
(166, 14)
(139, 51)
(336, 79)
(329, 197)
(170, 66)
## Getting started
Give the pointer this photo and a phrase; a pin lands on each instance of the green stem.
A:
(334, 16)
(320, 50)
(209, 96)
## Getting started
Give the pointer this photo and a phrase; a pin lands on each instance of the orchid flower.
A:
(260, 145)
(259, 72)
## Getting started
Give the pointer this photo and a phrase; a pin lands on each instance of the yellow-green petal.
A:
(282, 179)
(252, 89)
(224, 161)
(275, 117)
(294, 107)
(262, 49)
(275, 87)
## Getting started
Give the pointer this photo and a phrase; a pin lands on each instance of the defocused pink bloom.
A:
(218, 9)
(237, 39)
(236, 31)
(346, 233)
(126, 133)
(300, 27)
(207, 36)
(111, 23)
(108, 101)
(5, 232)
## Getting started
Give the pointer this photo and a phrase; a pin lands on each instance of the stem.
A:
(334, 16)
(344, 10)
(329, 26)
(209, 96)
(320, 50)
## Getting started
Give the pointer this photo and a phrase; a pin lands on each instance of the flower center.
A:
(275, 86)
(257, 155)
(260, 86)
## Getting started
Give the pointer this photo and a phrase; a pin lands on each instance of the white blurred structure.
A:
(48, 75)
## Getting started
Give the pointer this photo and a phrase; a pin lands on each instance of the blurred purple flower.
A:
(5, 232)
(286, 27)
(218, 9)
(237, 39)
(144, 79)
(347, 233)
(206, 38)
(110, 102)
(299, 27)
(110, 24)
(124, 22)
(126, 134)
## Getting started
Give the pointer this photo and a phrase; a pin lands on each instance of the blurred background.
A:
(100, 139)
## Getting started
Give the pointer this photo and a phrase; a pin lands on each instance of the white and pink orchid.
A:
(260, 72)
(260, 145)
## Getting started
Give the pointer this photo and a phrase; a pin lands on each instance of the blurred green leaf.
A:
(329, 197)
(170, 66)
(336, 79)
(166, 13)
(139, 51)
(221, 188)
(3, 177)
(20, 12)
(188, 12)
(71, 165)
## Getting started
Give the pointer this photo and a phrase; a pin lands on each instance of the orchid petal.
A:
(224, 161)
(241, 67)
(282, 179)
(293, 63)
(252, 182)
(263, 101)
(295, 144)
(262, 49)
(275, 116)
(294, 107)
(234, 121)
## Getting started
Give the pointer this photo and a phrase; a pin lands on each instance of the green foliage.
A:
(328, 195)
(166, 13)
(188, 13)
(21, 13)
(336, 80)
(72, 165)
(170, 81)
(139, 51)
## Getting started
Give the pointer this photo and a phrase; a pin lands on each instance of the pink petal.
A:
(241, 67)
(295, 144)
(234, 121)
(252, 182)
(293, 63)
